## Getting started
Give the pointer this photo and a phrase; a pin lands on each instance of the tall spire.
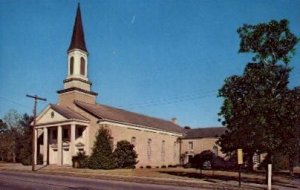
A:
(78, 41)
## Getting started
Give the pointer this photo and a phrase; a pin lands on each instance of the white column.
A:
(86, 136)
(59, 145)
(35, 147)
(73, 129)
(45, 147)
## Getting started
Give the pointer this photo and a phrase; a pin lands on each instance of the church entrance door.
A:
(66, 156)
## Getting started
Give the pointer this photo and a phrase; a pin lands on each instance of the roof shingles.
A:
(210, 132)
(67, 112)
(120, 115)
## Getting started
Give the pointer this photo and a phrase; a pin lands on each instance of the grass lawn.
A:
(157, 175)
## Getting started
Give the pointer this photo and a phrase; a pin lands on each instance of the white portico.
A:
(64, 133)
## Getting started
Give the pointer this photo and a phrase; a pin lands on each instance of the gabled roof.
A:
(78, 34)
(123, 116)
(210, 132)
(67, 112)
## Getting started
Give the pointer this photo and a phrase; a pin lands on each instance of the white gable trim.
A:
(62, 123)
(139, 127)
(45, 111)
(40, 115)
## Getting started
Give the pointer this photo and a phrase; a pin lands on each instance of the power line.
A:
(34, 156)
(14, 102)
(172, 100)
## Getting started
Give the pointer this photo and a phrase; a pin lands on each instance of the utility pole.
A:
(36, 98)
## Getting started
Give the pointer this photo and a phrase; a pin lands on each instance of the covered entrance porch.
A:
(59, 142)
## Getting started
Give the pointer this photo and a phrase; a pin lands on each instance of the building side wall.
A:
(158, 157)
(199, 145)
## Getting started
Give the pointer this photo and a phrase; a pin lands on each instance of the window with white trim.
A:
(191, 145)
(133, 140)
(149, 149)
(175, 151)
(163, 150)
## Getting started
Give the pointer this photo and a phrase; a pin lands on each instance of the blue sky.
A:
(161, 58)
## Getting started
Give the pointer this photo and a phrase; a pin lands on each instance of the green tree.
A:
(3, 134)
(12, 121)
(125, 155)
(254, 111)
(256, 108)
(25, 140)
(270, 42)
(102, 155)
(291, 147)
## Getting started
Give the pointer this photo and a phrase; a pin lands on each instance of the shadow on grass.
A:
(212, 177)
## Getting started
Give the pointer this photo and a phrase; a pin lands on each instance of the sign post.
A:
(269, 176)
(240, 162)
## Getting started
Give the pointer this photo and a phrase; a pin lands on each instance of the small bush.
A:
(141, 167)
(80, 160)
(26, 161)
(148, 167)
(171, 166)
(280, 162)
(163, 166)
(188, 165)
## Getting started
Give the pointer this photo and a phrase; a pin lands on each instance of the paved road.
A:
(21, 181)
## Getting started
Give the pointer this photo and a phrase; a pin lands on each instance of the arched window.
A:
(149, 149)
(133, 140)
(71, 65)
(82, 66)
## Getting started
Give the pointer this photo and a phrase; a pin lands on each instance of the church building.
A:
(70, 126)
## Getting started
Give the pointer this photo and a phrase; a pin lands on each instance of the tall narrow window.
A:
(163, 150)
(82, 66)
(149, 149)
(175, 151)
(191, 146)
(133, 140)
(71, 65)
(111, 140)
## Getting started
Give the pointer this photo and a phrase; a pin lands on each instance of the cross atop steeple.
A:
(78, 41)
